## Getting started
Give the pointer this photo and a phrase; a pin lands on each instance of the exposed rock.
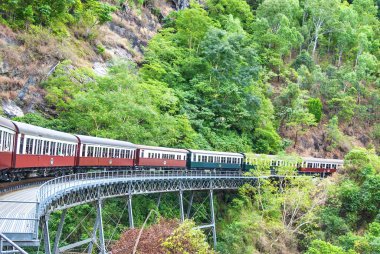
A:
(100, 68)
(120, 52)
(11, 109)
(365, 139)
(4, 67)
(32, 81)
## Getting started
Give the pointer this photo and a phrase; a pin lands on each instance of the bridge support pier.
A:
(159, 200)
(101, 233)
(93, 236)
(59, 232)
(130, 212)
(190, 205)
(46, 234)
(212, 217)
(182, 214)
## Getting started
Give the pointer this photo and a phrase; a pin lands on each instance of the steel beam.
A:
(94, 238)
(212, 217)
(190, 205)
(130, 212)
(59, 232)
(181, 206)
(159, 200)
(74, 245)
(101, 232)
(46, 234)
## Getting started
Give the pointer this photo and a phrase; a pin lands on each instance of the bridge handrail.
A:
(64, 182)
(11, 243)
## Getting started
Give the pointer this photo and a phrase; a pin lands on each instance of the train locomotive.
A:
(27, 150)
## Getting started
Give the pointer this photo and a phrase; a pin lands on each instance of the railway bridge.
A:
(24, 213)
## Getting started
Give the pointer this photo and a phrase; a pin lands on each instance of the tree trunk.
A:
(340, 57)
(315, 42)
(357, 57)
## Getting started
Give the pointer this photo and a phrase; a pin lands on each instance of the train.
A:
(27, 150)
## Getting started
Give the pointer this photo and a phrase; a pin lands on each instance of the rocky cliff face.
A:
(27, 58)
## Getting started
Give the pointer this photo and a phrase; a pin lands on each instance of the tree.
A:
(187, 239)
(300, 119)
(192, 25)
(323, 17)
(239, 9)
(322, 247)
(314, 106)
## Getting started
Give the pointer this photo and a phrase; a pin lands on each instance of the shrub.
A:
(315, 107)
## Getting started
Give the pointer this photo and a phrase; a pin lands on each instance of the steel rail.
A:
(16, 248)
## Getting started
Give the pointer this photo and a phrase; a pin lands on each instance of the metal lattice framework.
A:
(73, 190)
(65, 192)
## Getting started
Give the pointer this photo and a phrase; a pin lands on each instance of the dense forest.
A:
(263, 76)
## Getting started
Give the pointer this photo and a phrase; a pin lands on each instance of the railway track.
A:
(12, 186)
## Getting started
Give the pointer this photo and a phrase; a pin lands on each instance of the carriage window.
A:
(21, 146)
(1, 140)
(46, 147)
(309, 165)
(4, 142)
(334, 166)
(323, 165)
(69, 150)
(328, 166)
(223, 159)
(64, 149)
(128, 154)
(83, 150)
(104, 152)
(228, 160)
(52, 148)
(178, 157)
(38, 147)
(28, 149)
(88, 152)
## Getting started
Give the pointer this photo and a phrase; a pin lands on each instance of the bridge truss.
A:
(69, 191)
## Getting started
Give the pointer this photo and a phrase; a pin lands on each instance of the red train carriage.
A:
(43, 149)
(320, 166)
(7, 140)
(102, 152)
(160, 157)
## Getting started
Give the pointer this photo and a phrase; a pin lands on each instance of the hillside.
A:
(261, 76)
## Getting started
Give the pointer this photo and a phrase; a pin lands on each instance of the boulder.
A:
(11, 109)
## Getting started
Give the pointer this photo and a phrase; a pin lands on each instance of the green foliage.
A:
(267, 217)
(304, 59)
(86, 104)
(210, 62)
(266, 141)
(187, 239)
(52, 12)
(314, 106)
(322, 247)
(334, 136)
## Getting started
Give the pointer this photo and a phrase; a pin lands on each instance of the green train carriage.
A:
(209, 160)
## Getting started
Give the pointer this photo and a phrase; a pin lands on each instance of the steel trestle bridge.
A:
(24, 212)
